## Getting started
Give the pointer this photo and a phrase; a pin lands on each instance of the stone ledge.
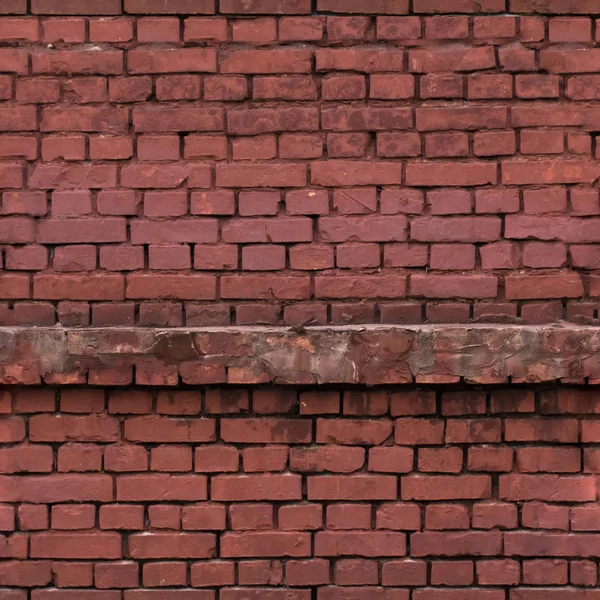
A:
(367, 355)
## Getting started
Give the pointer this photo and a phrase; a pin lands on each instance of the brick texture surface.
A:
(237, 493)
(216, 162)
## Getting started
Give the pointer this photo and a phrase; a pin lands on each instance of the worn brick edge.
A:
(367, 355)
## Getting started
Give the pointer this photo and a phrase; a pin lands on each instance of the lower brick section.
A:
(271, 493)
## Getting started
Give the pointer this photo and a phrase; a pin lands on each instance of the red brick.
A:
(160, 286)
(344, 87)
(32, 517)
(363, 60)
(300, 146)
(300, 516)
(538, 86)
(537, 515)
(266, 61)
(499, 572)
(22, 29)
(471, 543)
(149, 487)
(370, 118)
(159, 574)
(360, 6)
(445, 487)
(583, 572)
(452, 573)
(460, 431)
(65, 516)
(79, 457)
(396, 144)
(125, 457)
(337, 459)
(441, 85)
(215, 573)
(445, 173)
(417, 402)
(361, 543)
(546, 487)
(39, 92)
(547, 459)
(173, 60)
(170, 545)
(159, 119)
(251, 516)
(273, 175)
(171, 458)
(63, 30)
(70, 575)
(178, 87)
(204, 517)
(348, 516)
(356, 487)
(363, 432)
(17, 146)
(14, 60)
(258, 120)
(256, 487)
(166, 429)
(490, 515)
(109, 62)
(95, 545)
(441, 460)
(110, 30)
(446, 27)
(347, 145)
(24, 573)
(493, 458)
(494, 27)
(398, 28)
(116, 575)
(265, 543)
(525, 543)
(516, 58)
(446, 516)
(121, 516)
(365, 286)
(260, 572)
(273, 458)
(404, 572)
(486, 86)
(308, 257)
(446, 144)
(451, 59)
(307, 572)
(26, 458)
(147, 175)
(356, 572)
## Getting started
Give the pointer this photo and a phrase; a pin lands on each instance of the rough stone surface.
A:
(370, 355)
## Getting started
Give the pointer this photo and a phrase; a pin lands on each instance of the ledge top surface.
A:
(364, 355)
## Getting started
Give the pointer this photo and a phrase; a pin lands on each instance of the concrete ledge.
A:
(368, 355)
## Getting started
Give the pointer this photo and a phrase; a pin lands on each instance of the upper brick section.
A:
(214, 162)
(295, 7)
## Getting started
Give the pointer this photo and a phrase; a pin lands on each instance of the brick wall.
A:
(194, 162)
(296, 494)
